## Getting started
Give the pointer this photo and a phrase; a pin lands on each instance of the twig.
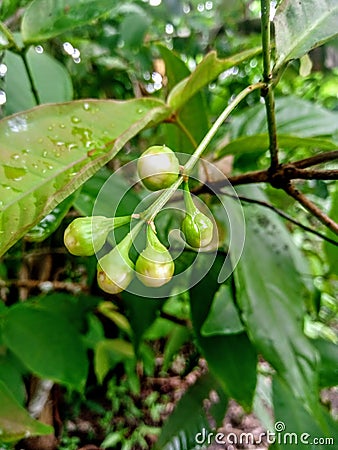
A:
(46, 286)
(311, 207)
(282, 214)
(317, 159)
(268, 93)
(310, 174)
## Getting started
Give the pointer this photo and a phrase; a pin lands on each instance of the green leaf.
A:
(294, 116)
(44, 68)
(61, 354)
(192, 116)
(92, 194)
(271, 295)
(73, 308)
(110, 352)
(328, 368)
(141, 312)
(51, 222)
(44, 19)
(48, 152)
(15, 422)
(133, 29)
(303, 25)
(205, 72)
(11, 374)
(189, 420)
(3, 41)
(300, 427)
(260, 143)
(231, 358)
(223, 317)
(330, 249)
(176, 339)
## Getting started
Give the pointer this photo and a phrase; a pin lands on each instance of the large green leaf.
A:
(185, 428)
(303, 25)
(44, 19)
(47, 344)
(295, 427)
(231, 358)
(295, 116)
(205, 72)
(15, 422)
(44, 68)
(260, 143)
(49, 151)
(271, 294)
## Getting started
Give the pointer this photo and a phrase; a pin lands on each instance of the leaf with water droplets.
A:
(45, 155)
(44, 19)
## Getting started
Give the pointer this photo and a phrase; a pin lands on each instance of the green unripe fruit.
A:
(115, 270)
(87, 235)
(154, 267)
(197, 227)
(158, 167)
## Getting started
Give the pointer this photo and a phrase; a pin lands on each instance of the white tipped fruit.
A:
(154, 267)
(115, 270)
(86, 235)
(158, 167)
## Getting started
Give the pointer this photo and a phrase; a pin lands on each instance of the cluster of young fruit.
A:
(158, 168)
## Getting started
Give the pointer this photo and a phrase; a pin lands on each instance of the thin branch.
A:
(46, 286)
(268, 93)
(294, 173)
(282, 214)
(311, 207)
(317, 159)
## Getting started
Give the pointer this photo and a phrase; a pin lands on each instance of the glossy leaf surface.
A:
(271, 294)
(231, 358)
(44, 19)
(301, 26)
(49, 151)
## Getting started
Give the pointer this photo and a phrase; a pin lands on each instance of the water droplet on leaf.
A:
(3, 97)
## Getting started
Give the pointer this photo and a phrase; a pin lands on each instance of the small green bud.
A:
(87, 235)
(115, 270)
(158, 167)
(154, 266)
(196, 226)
